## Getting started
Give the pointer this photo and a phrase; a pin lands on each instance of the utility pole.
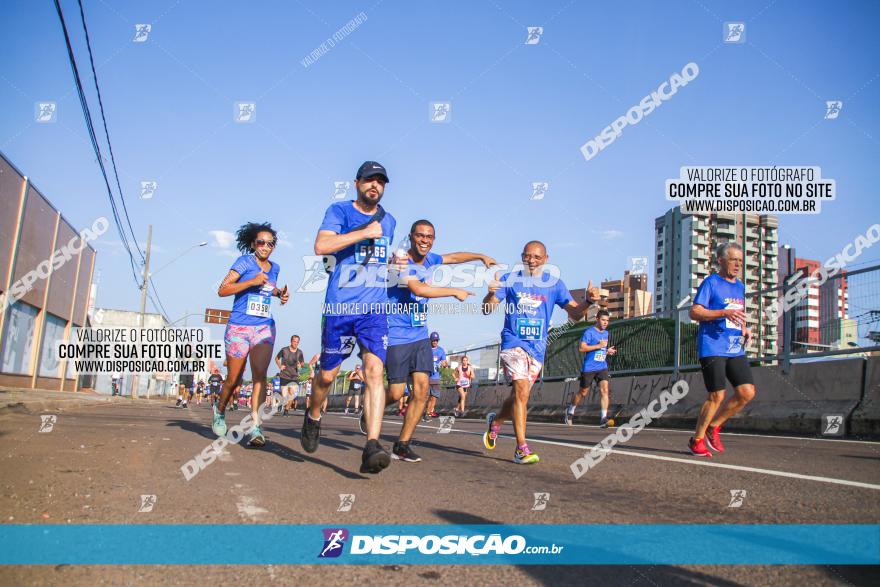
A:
(144, 284)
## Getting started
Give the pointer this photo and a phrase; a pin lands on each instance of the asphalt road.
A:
(96, 463)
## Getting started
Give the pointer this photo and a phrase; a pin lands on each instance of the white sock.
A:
(604, 413)
(571, 409)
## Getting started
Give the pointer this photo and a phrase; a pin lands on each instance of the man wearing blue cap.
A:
(355, 238)
(439, 355)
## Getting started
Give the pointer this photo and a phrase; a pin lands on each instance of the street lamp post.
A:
(144, 284)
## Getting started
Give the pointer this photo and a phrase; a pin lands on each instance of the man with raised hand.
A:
(409, 346)
(358, 235)
(530, 294)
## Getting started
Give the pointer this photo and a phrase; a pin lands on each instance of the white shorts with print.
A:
(518, 365)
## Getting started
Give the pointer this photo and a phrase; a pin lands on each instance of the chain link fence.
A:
(840, 317)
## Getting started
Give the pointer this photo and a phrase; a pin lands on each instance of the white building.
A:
(685, 247)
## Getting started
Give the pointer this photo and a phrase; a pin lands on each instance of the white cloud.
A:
(610, 234)
(283, 240)
(222, 238)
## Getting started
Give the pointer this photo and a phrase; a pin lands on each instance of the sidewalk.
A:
(33, 401)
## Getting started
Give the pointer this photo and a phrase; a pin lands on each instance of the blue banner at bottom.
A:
(716, 544)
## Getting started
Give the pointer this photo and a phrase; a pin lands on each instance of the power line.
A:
(154, 297)
(93, 138)
(106, 131)
(156, 301)
(159, 307)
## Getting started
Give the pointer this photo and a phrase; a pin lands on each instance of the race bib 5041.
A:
(530, 328)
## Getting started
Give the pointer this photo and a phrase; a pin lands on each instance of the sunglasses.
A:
(261, 243)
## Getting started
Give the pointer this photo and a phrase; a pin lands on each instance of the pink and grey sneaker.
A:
(491, 433)
(713, 438)
(525, 456)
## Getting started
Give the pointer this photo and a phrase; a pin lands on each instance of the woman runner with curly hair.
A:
(250, 332)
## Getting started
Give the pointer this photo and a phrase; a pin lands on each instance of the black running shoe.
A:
(402, 452)
(375, 458)
(362, 423)
(311, 433)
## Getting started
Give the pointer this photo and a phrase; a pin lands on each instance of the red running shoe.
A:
(713, 438)
(698, 447)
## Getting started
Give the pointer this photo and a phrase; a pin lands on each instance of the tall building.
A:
(685, 249)
(806, 313)
(628, 297)
(45, 277)
(835, 326)
(821, 318)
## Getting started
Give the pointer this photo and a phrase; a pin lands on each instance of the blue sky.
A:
(519, 114)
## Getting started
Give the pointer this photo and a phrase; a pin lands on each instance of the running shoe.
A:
(455, 414)
(346, 411)
(184, 406)
(491, 433)
(362, 423)
(279, 411)
(311, 433)
(525, 456)
(402, 452)
(698, 447)
(433, 414)
(375, 458)
(603, 423)
(568, 418)
(713, 438)
(425, 418)
(218, 426)
(177, 405)
(285, 412)
(256, 438)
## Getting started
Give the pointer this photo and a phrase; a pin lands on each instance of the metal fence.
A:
(840, 317)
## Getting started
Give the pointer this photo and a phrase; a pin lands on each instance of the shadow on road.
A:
(597, 574)
(194, 427)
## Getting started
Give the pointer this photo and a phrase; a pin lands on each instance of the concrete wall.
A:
(792, 404)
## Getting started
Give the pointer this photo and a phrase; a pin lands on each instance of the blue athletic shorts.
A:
(407, 358)
(340, 335)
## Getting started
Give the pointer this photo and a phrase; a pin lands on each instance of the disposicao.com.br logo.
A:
(454, 544)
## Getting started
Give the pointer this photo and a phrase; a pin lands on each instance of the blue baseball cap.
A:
(371, 168)
(435, 336)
